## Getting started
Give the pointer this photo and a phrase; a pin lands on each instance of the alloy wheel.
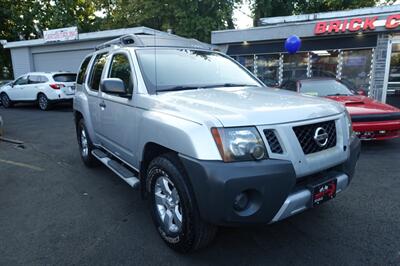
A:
(168, 204)
(84, 144)
(43, 102)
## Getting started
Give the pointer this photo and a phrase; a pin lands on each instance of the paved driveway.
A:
(53, 210)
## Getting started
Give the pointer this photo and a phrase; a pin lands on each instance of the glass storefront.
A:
(247, 61)
(267, 69)
(295, 66)
(393, 88)
(356, 69)
(352, 67)
(324, 63)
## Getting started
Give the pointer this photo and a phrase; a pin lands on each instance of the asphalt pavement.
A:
(55, 211)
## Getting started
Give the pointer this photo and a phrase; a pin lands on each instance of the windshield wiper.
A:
(229, 85)
(179, 88)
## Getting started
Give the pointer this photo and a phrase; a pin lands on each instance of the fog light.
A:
(241, 201)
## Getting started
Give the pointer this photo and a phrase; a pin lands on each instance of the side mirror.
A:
(113, 86)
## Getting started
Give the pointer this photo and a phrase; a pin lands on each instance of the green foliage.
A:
(26, 19)
(315, 6)
(273, 8)
(190, 18)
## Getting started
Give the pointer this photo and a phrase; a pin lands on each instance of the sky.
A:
(242, 16)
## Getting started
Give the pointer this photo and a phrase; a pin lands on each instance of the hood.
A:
(245, 106)
(360, 105)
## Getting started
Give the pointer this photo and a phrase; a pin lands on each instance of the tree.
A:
(27, 19)
(315, 6)
(190, 18)
(271, 8)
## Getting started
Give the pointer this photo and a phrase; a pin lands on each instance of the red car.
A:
(372, 120)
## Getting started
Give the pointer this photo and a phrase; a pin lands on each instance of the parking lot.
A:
(54, 210)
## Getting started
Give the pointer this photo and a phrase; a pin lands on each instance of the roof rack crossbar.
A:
(129, 39)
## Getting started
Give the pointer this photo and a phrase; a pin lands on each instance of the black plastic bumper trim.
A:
(375, 117)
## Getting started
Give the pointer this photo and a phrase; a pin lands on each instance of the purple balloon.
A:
(292, 44)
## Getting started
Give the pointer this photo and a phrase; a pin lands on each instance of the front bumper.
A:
(377, 130)
(274, 190)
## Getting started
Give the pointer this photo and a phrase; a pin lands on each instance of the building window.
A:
(268, 69)
(324, 63)
(247, 61)
(356, 69)
(295, 66)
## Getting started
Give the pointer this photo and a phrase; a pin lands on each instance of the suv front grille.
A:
(273, 141)
(305, 134)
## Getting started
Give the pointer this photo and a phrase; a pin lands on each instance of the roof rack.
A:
(151, 40)
(129, 39)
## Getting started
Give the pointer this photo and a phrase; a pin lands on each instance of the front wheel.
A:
(5, 100)
(173, 206)
(85, 145)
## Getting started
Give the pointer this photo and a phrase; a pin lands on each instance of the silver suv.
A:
(205, 141)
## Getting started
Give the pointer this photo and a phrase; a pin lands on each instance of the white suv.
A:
(45, 88)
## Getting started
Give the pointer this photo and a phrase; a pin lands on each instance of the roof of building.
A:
(330, 15)
(107, 34)
(275, 28)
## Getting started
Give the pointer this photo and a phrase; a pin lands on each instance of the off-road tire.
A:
(195, 233)
(88, 159)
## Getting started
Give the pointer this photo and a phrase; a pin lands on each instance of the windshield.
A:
(327, 87)
(180, 69)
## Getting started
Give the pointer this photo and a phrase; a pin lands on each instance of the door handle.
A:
(102, 105)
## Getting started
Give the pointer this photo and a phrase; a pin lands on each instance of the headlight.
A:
(239, 144)
(349, 124)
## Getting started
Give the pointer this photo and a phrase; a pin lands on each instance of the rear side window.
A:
(82, 70)
(65, 77)
(34, 79)
(97, 70)
(121, 68)
(44, 79)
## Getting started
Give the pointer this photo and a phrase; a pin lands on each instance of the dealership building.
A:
(360, 47)
(64, 49)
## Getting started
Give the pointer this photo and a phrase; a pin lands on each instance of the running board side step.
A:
(127, 175)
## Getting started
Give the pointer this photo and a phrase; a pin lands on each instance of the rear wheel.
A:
(43, 102)
(173, 206)
(5, 100)
(85, 145)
